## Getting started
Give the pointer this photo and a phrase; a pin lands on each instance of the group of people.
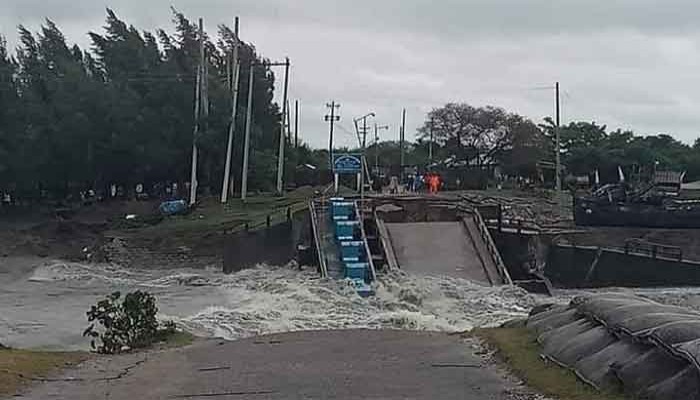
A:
(417, 183)
(431, 180)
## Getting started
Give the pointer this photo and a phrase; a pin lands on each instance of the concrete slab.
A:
(354, 364)
(436, 248)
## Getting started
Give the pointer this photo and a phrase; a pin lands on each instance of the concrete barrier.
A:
(275, 245)
(579, 266)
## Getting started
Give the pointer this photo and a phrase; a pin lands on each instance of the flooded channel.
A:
(44, 306)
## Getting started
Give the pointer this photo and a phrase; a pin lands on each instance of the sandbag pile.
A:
(651, 350)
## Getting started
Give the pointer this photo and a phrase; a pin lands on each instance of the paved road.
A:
(436, 248)
(357, 364)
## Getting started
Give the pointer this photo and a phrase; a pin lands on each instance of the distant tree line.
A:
(587, 146)
(493, 136)
(123, 112)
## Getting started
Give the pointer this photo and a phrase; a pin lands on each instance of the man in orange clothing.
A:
(433, 182)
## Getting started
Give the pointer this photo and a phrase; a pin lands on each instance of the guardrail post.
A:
(268, 220)
(247, 226)
(289, 213)
(653, 251)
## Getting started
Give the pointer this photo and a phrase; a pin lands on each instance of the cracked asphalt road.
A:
(352, 364)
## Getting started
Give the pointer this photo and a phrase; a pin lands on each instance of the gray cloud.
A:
(625, 63)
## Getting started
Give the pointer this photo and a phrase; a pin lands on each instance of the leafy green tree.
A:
(484, 135)
(123, 113)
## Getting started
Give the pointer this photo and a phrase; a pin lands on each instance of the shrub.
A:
(125, 325)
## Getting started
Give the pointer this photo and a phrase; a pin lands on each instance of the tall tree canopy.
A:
(484, 135)
(123, 112)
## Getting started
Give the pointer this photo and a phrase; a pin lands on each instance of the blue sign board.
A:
(347, 163)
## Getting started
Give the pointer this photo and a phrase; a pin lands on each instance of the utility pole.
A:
(558, 141)
(228, 181)
(430, 144)
(197, 112)
(364, 134)
(296, 124)
(280, 157)
(376, 145)
(289, 123)
(248, 122)
(331, 119)
(402, 139)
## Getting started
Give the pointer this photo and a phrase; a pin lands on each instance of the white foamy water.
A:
(267, 300)
(47, 308)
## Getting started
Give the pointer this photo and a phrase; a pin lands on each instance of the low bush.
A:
(121, 324)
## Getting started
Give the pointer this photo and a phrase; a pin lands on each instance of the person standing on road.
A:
(394, 185)
(432, 183)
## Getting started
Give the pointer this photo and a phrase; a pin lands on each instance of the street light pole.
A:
(363, 143)
(376, 145)
(362, 136)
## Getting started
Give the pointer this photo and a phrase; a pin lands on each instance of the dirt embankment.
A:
(101, 233)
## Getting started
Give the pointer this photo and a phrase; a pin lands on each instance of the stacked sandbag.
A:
(651, 350)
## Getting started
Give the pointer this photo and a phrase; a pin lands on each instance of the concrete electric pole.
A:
(198, 103)
(236, 66)
(376, 145)
(331, 119)
(402, 139)
(296, 124)
(280, 157)
(248, 122)
(558, 141)
(430, 144)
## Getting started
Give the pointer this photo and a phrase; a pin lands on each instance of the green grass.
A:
(18, 368)
(519, 350)
(212, 216)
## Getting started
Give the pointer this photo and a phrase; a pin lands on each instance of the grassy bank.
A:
(519, 350)
(210, 216)
(19, 368)
(198, 239)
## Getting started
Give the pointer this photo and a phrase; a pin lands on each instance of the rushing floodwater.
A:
(45, 306)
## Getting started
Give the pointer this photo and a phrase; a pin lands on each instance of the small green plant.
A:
(127, 324)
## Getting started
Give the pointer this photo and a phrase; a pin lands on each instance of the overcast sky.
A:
(632, 64)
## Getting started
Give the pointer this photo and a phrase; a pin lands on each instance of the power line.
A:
(346, 130)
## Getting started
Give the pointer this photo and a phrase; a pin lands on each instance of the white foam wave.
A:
(59, 271)
(270, 300)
